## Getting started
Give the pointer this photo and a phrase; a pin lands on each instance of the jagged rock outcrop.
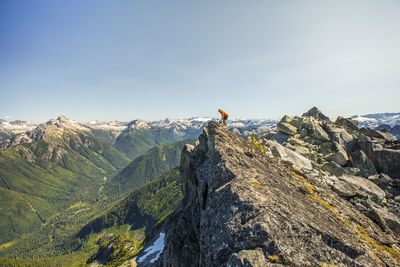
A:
(333, 168)
(316, 113)
(289, 156)
(286, 128)
(328, 144)
(337, 154)
(377, 134)
(244, 208)
(351, 186)
(349, 124)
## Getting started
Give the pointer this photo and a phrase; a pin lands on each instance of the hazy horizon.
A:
(121, 60)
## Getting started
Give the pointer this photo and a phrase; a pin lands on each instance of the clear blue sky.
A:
(121, 60)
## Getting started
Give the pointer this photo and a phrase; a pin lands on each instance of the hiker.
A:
(224, 116)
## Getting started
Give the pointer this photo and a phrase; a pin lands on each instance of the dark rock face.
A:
(243, 208)
(382, 127)
(395, 131)
(387, 161)
(359, 160)
(334, 168)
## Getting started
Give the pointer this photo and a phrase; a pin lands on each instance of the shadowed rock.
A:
(349, 124)
(359, 160)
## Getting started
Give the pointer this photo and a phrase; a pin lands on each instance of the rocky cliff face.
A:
(244, 207)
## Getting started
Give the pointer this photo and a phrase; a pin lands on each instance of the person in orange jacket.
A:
(224, 116)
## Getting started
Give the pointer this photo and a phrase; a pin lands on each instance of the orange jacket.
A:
(223, 114)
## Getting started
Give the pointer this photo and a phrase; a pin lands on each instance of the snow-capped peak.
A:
(374, 120)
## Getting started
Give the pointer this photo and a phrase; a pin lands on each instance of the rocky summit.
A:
(245, 205)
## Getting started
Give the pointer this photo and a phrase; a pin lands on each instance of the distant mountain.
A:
(58, 167)
(133, 138)
(148, 166)
(389, 122)
(64, 179)
(374, 120)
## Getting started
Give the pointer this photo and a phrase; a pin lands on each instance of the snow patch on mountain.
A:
(153, 252)
(374, 120)
(16, 127)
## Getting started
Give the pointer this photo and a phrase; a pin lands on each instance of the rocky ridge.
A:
(357, 163)
(243, 205)
(338, 147)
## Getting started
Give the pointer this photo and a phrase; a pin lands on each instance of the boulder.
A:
(297, 122)
(337, 155)
(366, 146)
(387, 161)
(296, 142)
(288, 155)
(314, 130)
(280, 137)
(352, 171)
(349, 186)
(341, 136)
(286, 128)
(391, 221)
(377, 134)
(316, 113)
(333, 168)
(347, 123)
(302, 150)
(383, 218)
(383, 181)
(359, 160)
(320, 133)
(286, 119)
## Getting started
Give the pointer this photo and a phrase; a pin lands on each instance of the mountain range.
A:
(17, 132)
(72, 190)
(374, 120)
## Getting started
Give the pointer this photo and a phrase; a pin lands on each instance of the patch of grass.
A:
(6, 245)
(274, 258)
(79, 204)
(256, 143)
(392, 251)
(302, 181)
(257, 184)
